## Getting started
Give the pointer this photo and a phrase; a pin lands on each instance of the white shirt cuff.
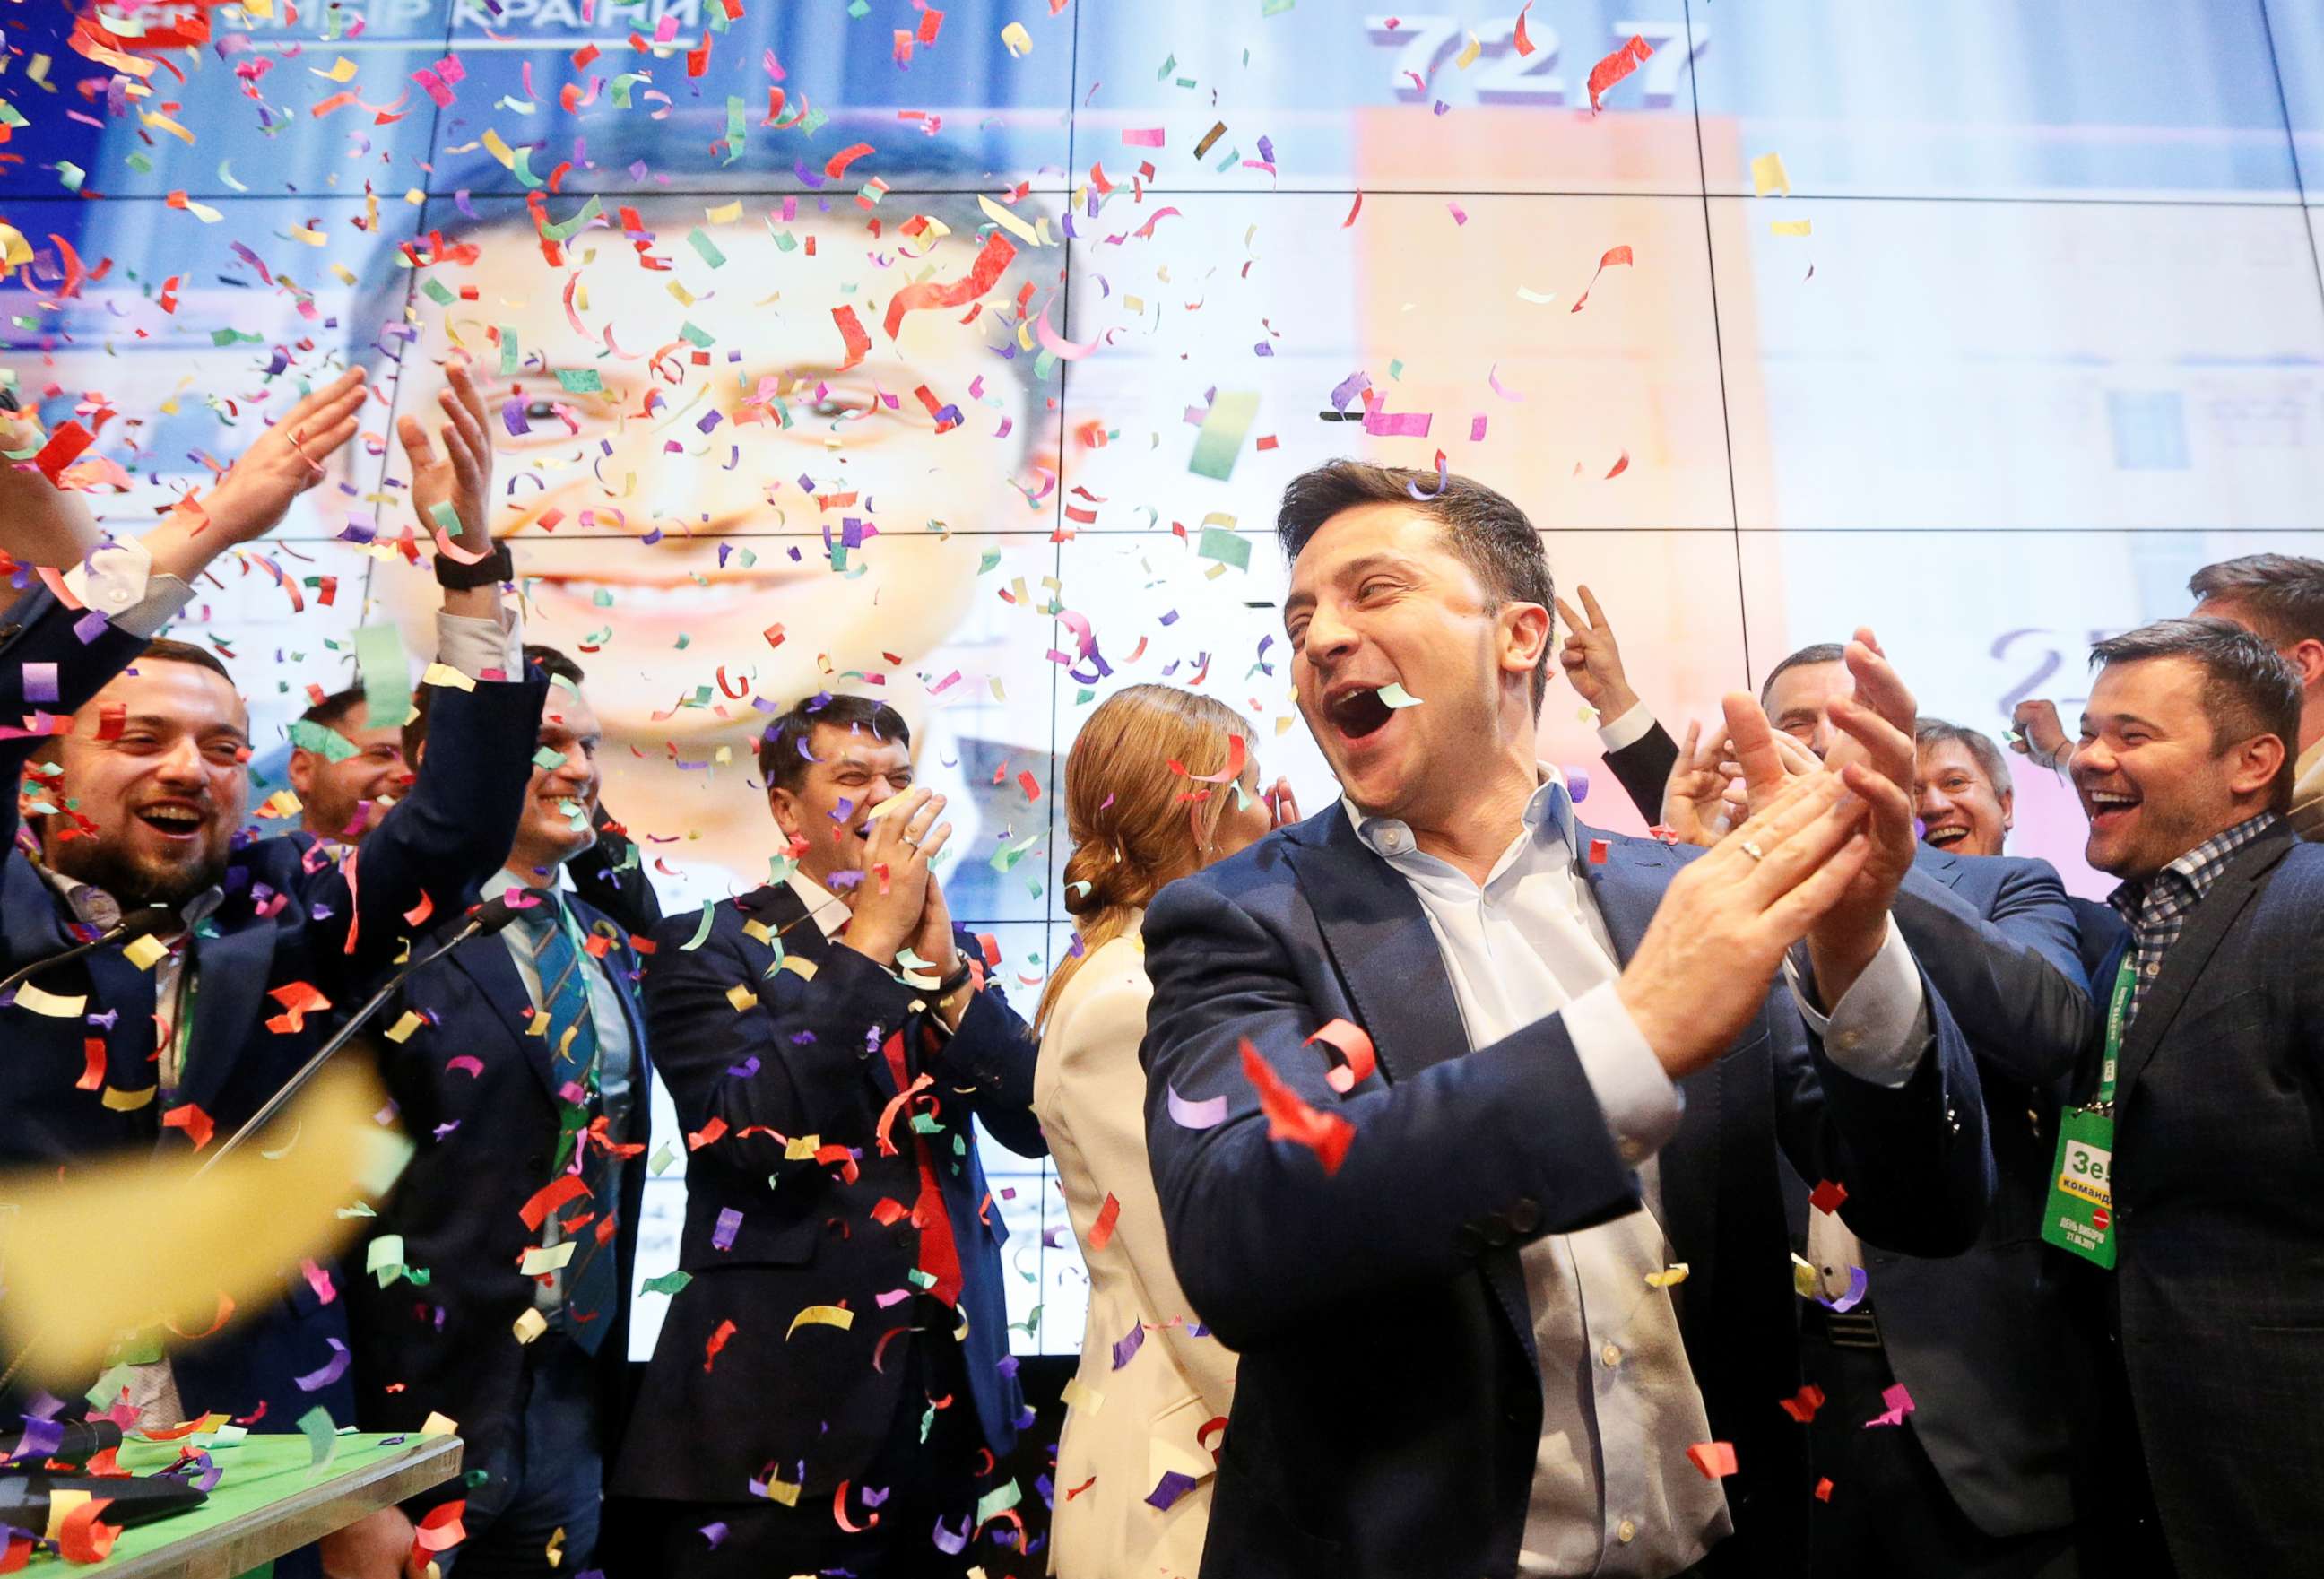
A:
(1880, 1026)
(1627, 730)
(473, 645)
(117, 580)
(1641, 1106)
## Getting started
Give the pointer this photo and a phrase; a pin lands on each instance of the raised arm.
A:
(2014, 980)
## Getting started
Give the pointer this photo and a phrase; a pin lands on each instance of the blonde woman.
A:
(1147, 1385)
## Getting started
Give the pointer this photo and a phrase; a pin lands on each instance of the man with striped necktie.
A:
(497, 1274)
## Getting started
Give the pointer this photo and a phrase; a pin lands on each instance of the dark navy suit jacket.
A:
(2218, 1290)
(1388, 1411)
(285, 919)
(1983, 1340)
(486, 1136)
(772, 1228)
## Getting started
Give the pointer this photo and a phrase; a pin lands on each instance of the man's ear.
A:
(785, 806)
(2256, 762)
(2308, 657)
(2008, 798)
(302, 772)
(1524, 636)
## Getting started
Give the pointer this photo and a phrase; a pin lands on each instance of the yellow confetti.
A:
(725, 214)
(126, 1102)
(1010, 222)
(499, 150)
(741, 996)
(1788, 227)
(800, 965)
(1017, 41)
(54, 1005)
(1085, 1399)
(783, 1492)
(1767, 175)
(439, 1424)
(538, 1025)
(529, 1325)
(1669, 1277)
(444, 674)
(341, 70)
(1803, 1277)
(551, 1258)
(14, 248)
(837, 1316)
(163, 123)
(802, 1148)
(400, 1032)
(146, 952)
(1468, 55)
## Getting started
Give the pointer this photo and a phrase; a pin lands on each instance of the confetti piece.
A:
(1803, 1405)
(837, 1316)
(1789, 227)
(1206, 1114)
(850, 331)
(1670, 1276)
(529, 1324)
(1899, 1399)
(82, 1535)
(1859, 1281)
(1614, 257)
(1221, 436)
(385, 675)
(1767, 175)
(713, 1344)
(146, 952)
(1354, 208)
(1173, 1485)
(1714, 1459)
(1141, 136)
(1017, 41)
(1827, 1196)
(1102, 1230)
(1619, 466)
(1493, 377)
(1225, 546)
(540, 1260)
(1615, 67)
(670, 1282)
(54, 1005)
(1288, 1118)
(331, 1373)
(1394, 696)
(1010, 222)
(322, 1439)
(1356, 1060)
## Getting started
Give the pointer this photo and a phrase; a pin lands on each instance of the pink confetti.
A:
(1207, 1114)
(1141, 136)
(1900, 1404)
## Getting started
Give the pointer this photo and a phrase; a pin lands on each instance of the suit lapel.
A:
(2183, 966)
(1946, 869)
(34, 926)
(1380, 939)
(1627, 885)
(230, 978)
(491, 970)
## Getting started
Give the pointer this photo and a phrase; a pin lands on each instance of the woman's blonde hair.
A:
(1132, 822)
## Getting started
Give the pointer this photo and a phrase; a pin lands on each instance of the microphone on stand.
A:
(133, 924)
(483, 921)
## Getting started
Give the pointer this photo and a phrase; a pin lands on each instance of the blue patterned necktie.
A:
(591, 1286)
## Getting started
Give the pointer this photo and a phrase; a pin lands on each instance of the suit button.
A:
(1525, 1216)
(1627, 1531)
(1611, 1355)
(1468, 1239)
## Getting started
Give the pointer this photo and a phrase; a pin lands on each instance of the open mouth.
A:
(1946, 837)
(2110, 808)
(1357, 712)
(172, 820)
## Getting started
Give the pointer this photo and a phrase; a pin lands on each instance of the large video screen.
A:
(937, 353)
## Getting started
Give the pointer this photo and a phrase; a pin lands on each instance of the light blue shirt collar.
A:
(1548, 815)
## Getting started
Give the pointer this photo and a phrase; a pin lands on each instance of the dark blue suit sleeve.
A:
(1263, 1241)
(2012, 977)
(38, 629)
(788, 1064)
(451, 833)
(990, 1059)
(1915, 1159)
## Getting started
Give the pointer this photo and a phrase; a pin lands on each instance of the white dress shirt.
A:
(1613, 1492)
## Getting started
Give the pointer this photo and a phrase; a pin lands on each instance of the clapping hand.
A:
(283, 462)
(462, 475)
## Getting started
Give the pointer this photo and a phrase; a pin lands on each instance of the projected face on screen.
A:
(720, 488)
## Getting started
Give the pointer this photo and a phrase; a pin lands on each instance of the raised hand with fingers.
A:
(284, 461)
(1696, 805)
(1593, 660)
(1702, 970)
(459, 481)
(890, 903)
(2037, 731)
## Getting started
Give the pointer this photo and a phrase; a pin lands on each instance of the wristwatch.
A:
(489, 571)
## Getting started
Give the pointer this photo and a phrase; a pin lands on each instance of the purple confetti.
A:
(1577, 784)
(1126, 1347)
(730, 1222)
(1857, 1281)
(329, 1373)
(39, 682)
(1172, 1486)
(1197, 1115)
(745, 1069)
(715, 1533)
(949, 1543)
(41, 1438)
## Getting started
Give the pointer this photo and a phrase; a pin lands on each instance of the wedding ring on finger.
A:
(1751, 848)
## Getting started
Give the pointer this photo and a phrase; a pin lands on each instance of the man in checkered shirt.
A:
(2204, 1442)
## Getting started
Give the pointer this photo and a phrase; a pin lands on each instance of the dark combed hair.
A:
(2281, 595)
(333, 710)
(1821, 652)
(2248, 687)
(1490, 533)
(537, 655)
(782, 748)
(162, 649)
(1990, 758)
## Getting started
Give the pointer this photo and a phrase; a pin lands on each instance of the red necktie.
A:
(939, 1254)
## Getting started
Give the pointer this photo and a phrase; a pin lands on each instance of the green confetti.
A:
(1220, 544)
(580, 380)
(436, 293)
(667, 1283)
(998, 1500)
(324, 741)
(1224, 426)
(386, 676)
(322, 1439)
(549, 759)
(508, 351)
